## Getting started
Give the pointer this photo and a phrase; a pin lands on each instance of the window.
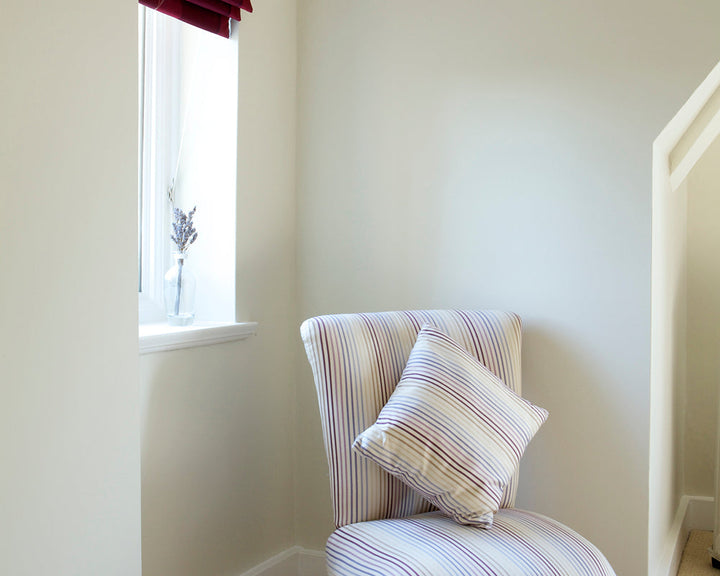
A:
(187, 154)
(159, 38)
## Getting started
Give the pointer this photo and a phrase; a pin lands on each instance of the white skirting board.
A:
(693, 513)
(296, 561)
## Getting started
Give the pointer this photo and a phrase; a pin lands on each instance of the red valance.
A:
(211, 15)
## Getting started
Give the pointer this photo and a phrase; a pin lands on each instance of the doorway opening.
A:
(677, 151)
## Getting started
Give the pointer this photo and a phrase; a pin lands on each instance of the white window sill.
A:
(162, 337)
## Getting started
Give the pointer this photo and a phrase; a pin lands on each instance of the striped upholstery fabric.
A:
(384, 527)
(357, 360)
(452, 430)
(519, 544)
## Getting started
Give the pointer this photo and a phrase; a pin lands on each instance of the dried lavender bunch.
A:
(184, 231)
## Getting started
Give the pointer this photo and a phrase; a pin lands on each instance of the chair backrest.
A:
(357, 360)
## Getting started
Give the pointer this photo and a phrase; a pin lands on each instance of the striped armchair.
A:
(384, 528)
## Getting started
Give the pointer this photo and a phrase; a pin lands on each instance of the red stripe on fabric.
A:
(328, 407)
(219, 7)
(243, 4)
(192, 14)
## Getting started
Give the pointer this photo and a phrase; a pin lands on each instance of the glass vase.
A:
(180, 292)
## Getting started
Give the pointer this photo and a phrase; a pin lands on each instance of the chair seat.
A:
(519, 543)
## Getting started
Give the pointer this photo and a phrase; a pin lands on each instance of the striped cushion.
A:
(452, 430)
(357, 360)
(519, 544)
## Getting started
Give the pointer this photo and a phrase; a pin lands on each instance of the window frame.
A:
(188, 99)
(159, 134)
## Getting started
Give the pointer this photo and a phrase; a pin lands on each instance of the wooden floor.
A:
(696, 558)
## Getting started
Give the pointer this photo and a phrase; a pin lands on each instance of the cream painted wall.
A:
(499, 155)
(69, 414)
(218, 422)
(703, 347)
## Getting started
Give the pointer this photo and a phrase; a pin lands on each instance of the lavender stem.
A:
(179, 286)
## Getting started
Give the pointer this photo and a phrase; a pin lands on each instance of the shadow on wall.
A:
(578, 435)
(703, 322)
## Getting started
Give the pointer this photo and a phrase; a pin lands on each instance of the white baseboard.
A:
(693, 513)
(700, 513)
(312, 563)
(296, 561)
